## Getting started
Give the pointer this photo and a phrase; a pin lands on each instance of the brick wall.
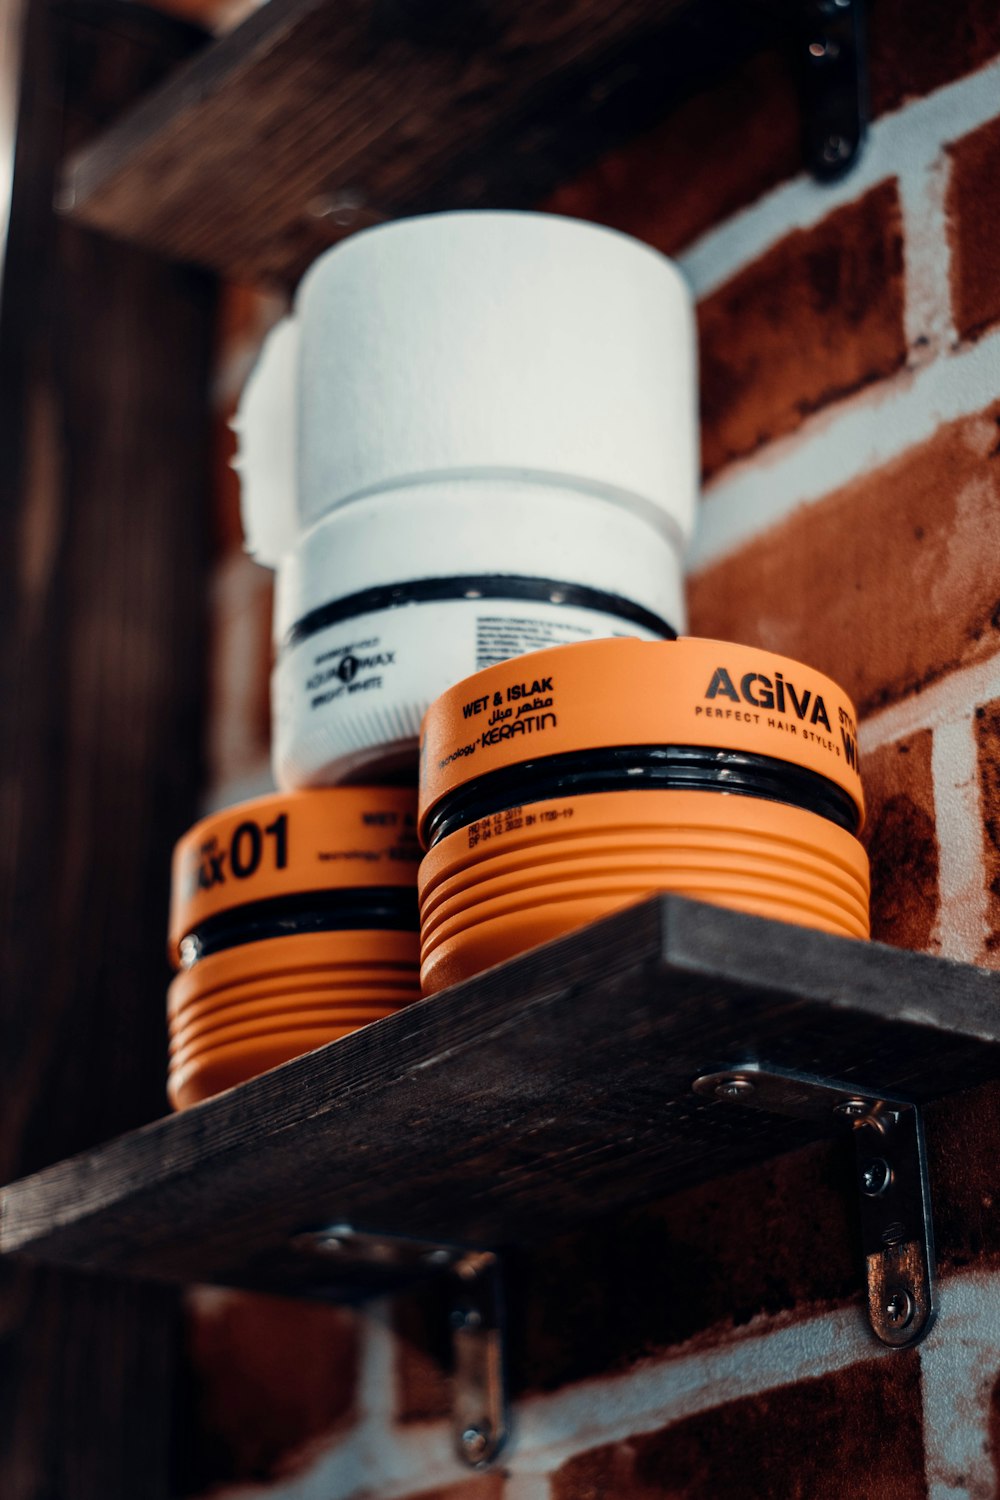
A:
(713, 1343)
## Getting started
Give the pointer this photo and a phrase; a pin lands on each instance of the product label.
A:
(775, 702)
(368, 681)
(499, 637)
(513, 820)
(340, 671)
(518, 708)
(249, 848)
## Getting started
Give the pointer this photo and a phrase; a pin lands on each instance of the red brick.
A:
(818, 316)
(586, 1304)
(974, 228)
(483, 1487)
(267, 1378)
(857, 1432)
(988, 742)
(993, 1441)
(962, 1132)
(423, 1354)
(915, 46)
(582, 1305)
(227, 528)
(239, 670)
(887, 584)
(902, 842)
(720, 150)
(713, 155)
(738, 1248)
(243, 316)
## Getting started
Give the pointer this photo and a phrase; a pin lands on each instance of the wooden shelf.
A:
(553, 1088)
(313, 119)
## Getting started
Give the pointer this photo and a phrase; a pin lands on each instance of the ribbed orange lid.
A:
(622, 692)
(291, 842)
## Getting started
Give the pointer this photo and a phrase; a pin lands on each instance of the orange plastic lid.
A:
(290, 842)
(228, 1066)
(357, 965)
(504, 883)
(620, 692)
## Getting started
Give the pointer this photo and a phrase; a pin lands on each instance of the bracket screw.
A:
(836, 148)
(899, 1307)
(466, 1317)
(474, 1442)
(876, 1176)
(734, 1088)
(851, 1109)
(342, 209)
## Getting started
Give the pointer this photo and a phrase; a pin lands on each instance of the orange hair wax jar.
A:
(562, 785)
(293, 922)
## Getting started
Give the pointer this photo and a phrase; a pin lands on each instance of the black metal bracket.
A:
(480, 1412)
(834, 84)
(893, 1192)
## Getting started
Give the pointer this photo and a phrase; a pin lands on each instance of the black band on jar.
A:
(502, 587)
(362, 908)
(634, 768)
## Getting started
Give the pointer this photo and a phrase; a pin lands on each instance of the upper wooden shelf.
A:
(552, 1088)
(315, 118)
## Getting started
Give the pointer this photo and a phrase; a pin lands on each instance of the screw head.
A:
(466, 1317)
(190, 951)
(899, 1307)
(851, 1109)
(824, 50)
(330, 1244)
(734, 1088)
(876, 1176)
(332, 1239)
(836, 148)
(341, 208)
(474, 1442)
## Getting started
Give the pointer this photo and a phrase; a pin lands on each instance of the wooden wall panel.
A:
(104, 357)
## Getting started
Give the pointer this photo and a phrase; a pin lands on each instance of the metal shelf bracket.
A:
(476, 1315)
(893, 1193)
(834, 84)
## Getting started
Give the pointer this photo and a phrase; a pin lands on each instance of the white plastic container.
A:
(495, 451)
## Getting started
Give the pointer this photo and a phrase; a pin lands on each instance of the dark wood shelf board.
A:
(548, 1090)
(236, 162)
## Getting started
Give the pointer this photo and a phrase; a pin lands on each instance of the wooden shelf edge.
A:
(245, 160)
(547, 1090)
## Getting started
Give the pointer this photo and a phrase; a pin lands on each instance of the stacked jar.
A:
(560, 787)
(470, 457)
(475, 438)
(293, 922)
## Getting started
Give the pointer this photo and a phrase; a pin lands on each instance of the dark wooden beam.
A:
(103, 376)
(313, 119)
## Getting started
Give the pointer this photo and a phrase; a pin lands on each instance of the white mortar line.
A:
(930, 329)
(958, 1370)
(838, 445)
(954, 698)
(907, 140)
(376, 1390)
(962, 924)
(527, 1487)
(553, 1429)
(958, 1362)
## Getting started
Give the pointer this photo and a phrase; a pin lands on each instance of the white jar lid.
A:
(492, 345)
(265, 427)
(484, 531)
